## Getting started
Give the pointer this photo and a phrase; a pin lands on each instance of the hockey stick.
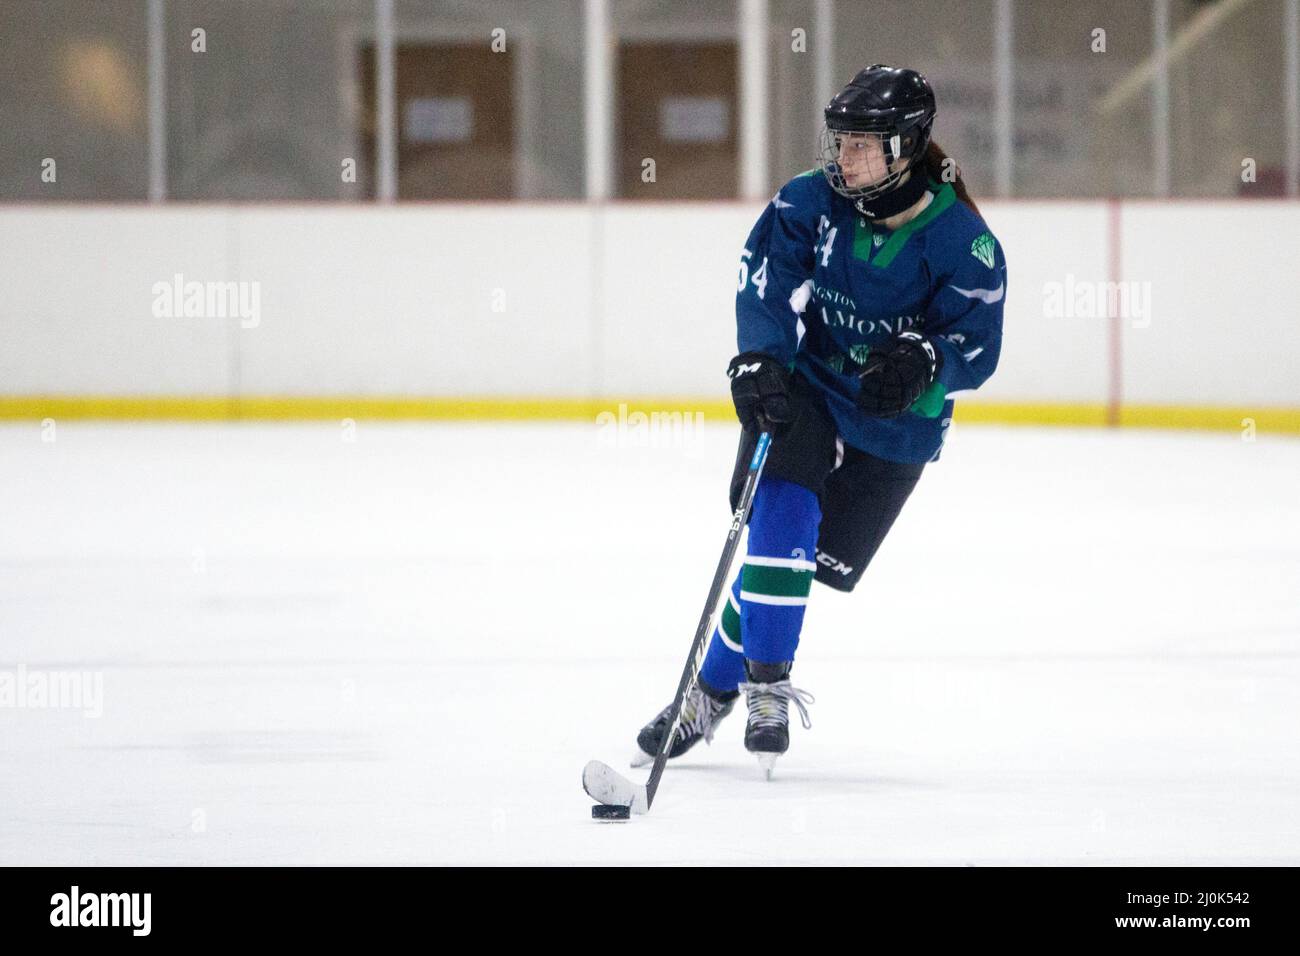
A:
(601, 781)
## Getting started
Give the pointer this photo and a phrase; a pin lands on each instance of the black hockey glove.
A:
(760, 389)
(894, 377)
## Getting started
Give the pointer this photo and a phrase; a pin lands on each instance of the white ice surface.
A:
(1075, 646)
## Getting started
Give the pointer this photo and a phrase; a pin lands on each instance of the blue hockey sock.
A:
(778, 570)
(764, 611)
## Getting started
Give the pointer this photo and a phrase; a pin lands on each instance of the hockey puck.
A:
(603, 811)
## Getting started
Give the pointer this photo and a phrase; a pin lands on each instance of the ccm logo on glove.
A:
(760, 390)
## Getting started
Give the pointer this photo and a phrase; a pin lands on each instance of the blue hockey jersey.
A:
(820, 285)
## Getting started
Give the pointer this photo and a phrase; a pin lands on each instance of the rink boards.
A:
(1149, 313)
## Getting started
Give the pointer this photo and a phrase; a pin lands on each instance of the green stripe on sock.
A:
(778, 582)
(731, 624)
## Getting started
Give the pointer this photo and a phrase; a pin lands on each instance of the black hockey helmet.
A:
(896, 106)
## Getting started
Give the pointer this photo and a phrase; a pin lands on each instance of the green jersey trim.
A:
(862, 236)
(931, 402)
(943, 198)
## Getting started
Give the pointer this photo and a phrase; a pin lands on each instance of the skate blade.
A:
(641, 759)
(767, 763)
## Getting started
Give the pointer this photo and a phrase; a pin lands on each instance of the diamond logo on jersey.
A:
(982, 249)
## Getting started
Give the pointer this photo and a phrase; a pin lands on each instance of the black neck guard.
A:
(896, 200)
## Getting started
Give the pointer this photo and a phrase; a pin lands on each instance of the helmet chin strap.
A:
(899, 198)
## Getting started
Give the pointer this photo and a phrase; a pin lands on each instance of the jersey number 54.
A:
(759, 278)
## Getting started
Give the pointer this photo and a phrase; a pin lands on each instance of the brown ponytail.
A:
(937, 165)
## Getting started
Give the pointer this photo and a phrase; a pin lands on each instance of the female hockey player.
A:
(870, 291)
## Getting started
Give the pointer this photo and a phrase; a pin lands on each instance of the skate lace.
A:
(699, 711)
(769, 704)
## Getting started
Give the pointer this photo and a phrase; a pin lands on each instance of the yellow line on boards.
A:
(1238, 419)
(1030, 413)
(306, 408)
(471, 408)
(1266, 418)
